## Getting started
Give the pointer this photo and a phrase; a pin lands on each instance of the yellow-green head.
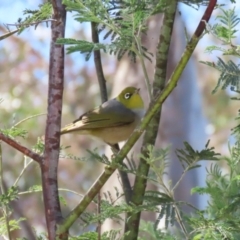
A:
(130, 98)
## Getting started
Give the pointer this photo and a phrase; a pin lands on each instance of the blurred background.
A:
(191, 113)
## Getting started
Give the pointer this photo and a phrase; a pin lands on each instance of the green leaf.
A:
(189, 157)
(229, 74)
(35, 17)
(14, 132)
(10, 195)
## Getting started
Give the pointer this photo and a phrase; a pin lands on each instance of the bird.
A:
(113, 121)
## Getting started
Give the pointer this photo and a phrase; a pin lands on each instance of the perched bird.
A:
(113, 121)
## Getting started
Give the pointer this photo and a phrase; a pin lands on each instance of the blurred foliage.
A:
(123, 22)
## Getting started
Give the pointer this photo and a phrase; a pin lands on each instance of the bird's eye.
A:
(127, 95)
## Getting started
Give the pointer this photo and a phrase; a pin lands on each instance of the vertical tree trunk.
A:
(49, 166)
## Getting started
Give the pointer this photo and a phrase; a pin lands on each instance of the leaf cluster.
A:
(14, 132)
(189, 157)
(10, 195)
(225, 31)
(35, 17)
(13, 225)
(161, 201)
(119, 21)
(221, 217)
(229, 74)
(122, 22)
(226, 27)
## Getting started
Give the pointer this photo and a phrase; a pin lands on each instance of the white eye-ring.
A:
(127, 95)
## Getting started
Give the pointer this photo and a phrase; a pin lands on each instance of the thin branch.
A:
(19, 25)
(25, 119)
(205, 18)
(8, 34)
(103, 92)
(141, 57)
(36, 157)
(60, 190)
(98, 65)
(22, 172)
(126, 185)
(183, 174)
(170, 193)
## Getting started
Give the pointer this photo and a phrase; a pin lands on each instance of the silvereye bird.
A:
(113, 121)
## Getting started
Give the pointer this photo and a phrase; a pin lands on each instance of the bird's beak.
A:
(137, 90)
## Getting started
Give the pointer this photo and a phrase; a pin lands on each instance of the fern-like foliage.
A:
(189, 157)
(148, 231)
(35, 17)
(220, 220)
(39, 146)
(121, 21)
(158, 161)
(94, 155)
(166, 206)
(13, 225)
(101, 158)
(10, 195)
(226, 28)
(225, 31)
(14, 132)
(229, 74)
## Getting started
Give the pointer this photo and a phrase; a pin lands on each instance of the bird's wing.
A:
(110, 114)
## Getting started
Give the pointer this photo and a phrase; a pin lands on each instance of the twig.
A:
(104, 97)
(8, 34)
(19, 25)
(170, 193)
(183, 174)
(36, 157)
(60, 189)
(98, 65)
(25, 119)
(126, 185)
(22, 172)
(140, 55)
